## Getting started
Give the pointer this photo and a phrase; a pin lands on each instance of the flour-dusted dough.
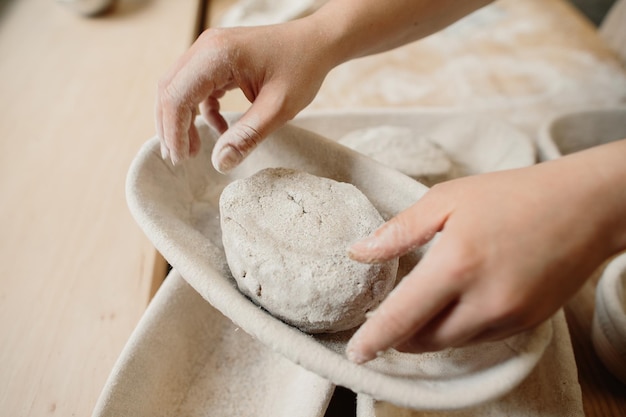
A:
(286, 234)
(403, 149)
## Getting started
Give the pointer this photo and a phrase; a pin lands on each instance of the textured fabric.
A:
(575, 131)
(550, 390)
(186, 359)
(177, 209)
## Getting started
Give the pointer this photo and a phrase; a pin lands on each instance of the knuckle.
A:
(244, 138)
(215, 36)
(168, 97)
(438, 190)
(250, 137)
(464, 263)
(221, 42)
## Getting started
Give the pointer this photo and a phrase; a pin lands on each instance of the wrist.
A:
(357, 28)
(599, 174)
(609, 168)
(325, 34)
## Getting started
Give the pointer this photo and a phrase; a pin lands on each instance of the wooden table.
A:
(76, 100)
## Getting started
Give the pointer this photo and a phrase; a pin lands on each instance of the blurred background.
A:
(595, 10)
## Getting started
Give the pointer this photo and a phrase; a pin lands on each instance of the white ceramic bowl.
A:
(576, 131)
(609, 320)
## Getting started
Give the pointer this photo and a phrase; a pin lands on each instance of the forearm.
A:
(600, 176)
(358, 28)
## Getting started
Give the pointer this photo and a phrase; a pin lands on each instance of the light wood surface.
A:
(523, 61)
(76, 102)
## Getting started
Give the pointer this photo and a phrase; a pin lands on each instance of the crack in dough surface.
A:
(286, 234)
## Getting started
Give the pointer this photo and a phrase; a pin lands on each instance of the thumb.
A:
(262, 118)
(408, 230)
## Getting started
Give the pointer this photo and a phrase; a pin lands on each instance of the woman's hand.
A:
(513, 247)
(279, 69)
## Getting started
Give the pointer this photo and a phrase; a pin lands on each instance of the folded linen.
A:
(186, 359)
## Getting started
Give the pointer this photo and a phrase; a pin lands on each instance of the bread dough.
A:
(403, 149)
(286, 234)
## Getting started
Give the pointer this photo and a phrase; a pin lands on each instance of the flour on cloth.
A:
(403, 149)
(286, 233)
(267, 12)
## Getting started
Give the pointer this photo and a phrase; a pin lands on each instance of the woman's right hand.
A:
(279, 68)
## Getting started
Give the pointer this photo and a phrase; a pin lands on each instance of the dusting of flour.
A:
(286, 233)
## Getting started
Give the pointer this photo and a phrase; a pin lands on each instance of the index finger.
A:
(417, 299)
(408, 230)
(196, 75)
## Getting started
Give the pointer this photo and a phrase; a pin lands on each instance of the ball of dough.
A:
(286, 234)
(403, 149)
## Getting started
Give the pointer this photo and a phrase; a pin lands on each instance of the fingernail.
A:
(355, 352)
(364, 250)
(164, 152)
(175, 158)
(357, 357)
(369, 243)
(227, 159)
